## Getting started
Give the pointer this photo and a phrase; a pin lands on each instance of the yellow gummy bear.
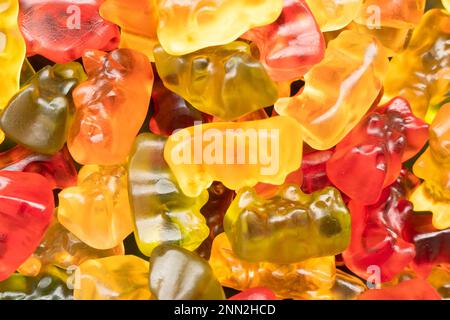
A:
(12, 50)
(97, 210)
(237, 154)
(421, 73)
(334, 14)
(112, 278)
(287, 281)
(187, 26)
(338, 90)
(434, 167)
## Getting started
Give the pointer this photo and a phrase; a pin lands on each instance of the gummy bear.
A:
(291, 45)
(287, 281)
(188, 26)
(97, 210)
(220, 198)
(421, 73)
(226, 81)
(434, 167)
(188, 278)
(137, 20)
(25, 213)
(162, 213)
(40, 114)
(370, 157)
(339, 90)
(378, 236)
(237, 154)
(61, 30)
(119, 84)
(112, 278)
(50, 285)
(290, 227)
(12, 50)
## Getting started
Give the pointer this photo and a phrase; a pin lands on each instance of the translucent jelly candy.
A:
(112, 278)
(339, 90)
(97, 210)
(334, 14)
(12, 50)
(25, 213)
(137, 20)
(421, 73)
(63, 249)
(61, 30)
(119, 83)
(226, 81)
(370, 157)
(162, 213)
(287, 281)
(189, 277)
(187, 26)
(434, 167)
(291, 45)
(290, 227)
(51, 284)
(408, 290)
(59, 169)
(40, 114)
(390, 21)
(272, 146)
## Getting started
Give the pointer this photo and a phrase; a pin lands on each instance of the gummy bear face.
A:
(187, 26)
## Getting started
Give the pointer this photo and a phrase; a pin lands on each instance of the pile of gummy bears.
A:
(288, 149)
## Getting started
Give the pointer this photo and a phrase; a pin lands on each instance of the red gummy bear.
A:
(370, 157)
(61, 30)
(314, 170)
(379, 233)
(255, 294)
(415, 289)
(26, 211)
(59, 169)
(291, 45)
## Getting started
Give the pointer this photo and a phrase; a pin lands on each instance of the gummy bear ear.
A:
(92, 59)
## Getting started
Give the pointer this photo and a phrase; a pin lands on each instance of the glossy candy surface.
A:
(291, 45)
(25, 213)
(224, 81)
(275, 141)
(290, 227)
(40, 114)
(61, 30)
(118, 83)
(187, 26)
(162, 213)
(12, 50)
(339, 90)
